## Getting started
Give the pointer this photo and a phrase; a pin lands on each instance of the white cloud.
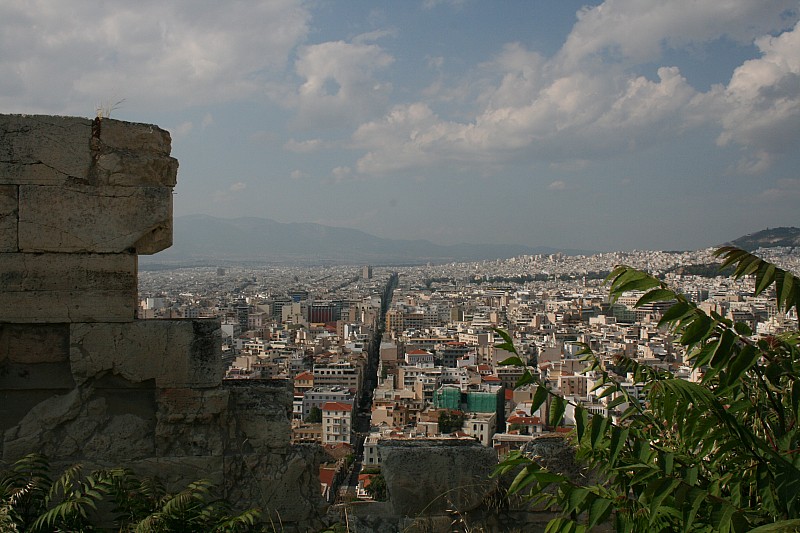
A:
(339, 84)
(785, 190)
(297, 174)
(341, 174)
(304, 147)
(182, 130)
(760, 107)
(238, 186)
(559, 111)
(557, 185)
(430, 4)
(208, 120)
(62, 58)
(639, 30)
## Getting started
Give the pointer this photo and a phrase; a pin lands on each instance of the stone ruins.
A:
(81, 380)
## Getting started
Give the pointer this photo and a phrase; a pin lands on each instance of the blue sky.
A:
(609, 125)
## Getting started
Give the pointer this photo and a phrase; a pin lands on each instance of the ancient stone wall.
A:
(81, 379)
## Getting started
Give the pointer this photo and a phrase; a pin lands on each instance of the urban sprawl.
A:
(409, 352)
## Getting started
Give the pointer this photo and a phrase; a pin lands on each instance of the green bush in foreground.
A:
(721, 454)
(30, 500)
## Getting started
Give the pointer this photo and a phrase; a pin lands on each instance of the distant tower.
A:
(366, 272)
(220, 271)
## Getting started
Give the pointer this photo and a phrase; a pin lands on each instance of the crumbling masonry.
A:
(81, 380)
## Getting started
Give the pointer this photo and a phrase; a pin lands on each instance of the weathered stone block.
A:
(83, 218)
(8, 218)
(284, 482)
(174, 353)
(191, 422)
(78, 425)
(129, 169)
(136, 137)
(44, 149)
(36, 376)
(54, 288)
(263, 410)
(430, 476)
(34, 343)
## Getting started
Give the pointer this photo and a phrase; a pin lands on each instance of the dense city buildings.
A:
(438, 371)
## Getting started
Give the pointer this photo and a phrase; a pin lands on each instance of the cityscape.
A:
(380, 352)
(429, 266)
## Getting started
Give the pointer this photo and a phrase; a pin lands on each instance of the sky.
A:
(616, 125)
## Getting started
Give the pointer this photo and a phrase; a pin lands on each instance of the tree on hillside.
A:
(721, 454)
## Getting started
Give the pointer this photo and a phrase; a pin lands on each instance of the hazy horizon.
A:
(616, 125)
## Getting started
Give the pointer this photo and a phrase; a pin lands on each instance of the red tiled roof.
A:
(326, 475)
(336, 406)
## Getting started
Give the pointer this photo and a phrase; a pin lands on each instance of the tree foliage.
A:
(719, 454)
(314, 415)
(377, 488)
(30, 500)
(450, 421)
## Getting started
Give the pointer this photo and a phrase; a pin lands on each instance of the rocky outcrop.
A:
(81, 379)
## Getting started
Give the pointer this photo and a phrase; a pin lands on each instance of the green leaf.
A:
(576, 498)
(508, 344)
(616, 402)
(696, 497)
(524, 379)
(742, 362)
(641, 284)
(785, 297)
(742, 329)
(747, 265)
(697, 330)
(722, 351)
(656, 295)
(783, 526)
(658, 490)
(731, 255)
(581, 421)
(618, 438)
(599, 511)
(539, 398)
(557, 407)
(764, 278)
(516, 361)
(599, 424)
(677, 311)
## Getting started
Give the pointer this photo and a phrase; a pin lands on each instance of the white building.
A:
(337, 422)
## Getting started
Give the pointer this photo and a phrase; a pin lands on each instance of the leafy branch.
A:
(718, 454)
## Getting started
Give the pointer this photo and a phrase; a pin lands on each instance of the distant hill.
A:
(200, 239)
(769, 238)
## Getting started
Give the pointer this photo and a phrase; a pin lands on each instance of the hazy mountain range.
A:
(200, 239)
(769, 238)
(203, 239)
